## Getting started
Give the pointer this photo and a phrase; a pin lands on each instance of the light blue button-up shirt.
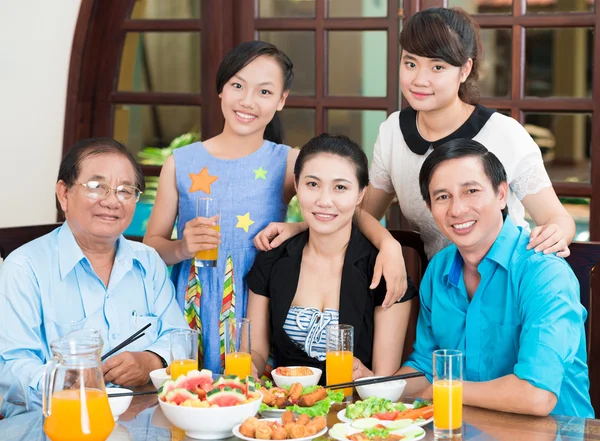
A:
(525, 318)
(48, 289)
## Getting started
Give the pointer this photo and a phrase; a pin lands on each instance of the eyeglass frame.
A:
(110, 189)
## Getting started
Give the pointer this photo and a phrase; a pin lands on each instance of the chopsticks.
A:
(366, 381)
(134, 337)
(133, 394)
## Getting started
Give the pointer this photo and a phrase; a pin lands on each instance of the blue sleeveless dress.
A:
(250, 191)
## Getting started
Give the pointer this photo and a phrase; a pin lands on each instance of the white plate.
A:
(351, 430)
(344, 419)
(236, 432)
(272, 413)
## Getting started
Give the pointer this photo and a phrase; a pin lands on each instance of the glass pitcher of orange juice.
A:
(74, 399)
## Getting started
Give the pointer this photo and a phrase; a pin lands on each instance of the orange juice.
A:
(212, 254)
(238, 363)
(182, 367)
(447, 404)
(77, 417)
(338, 366)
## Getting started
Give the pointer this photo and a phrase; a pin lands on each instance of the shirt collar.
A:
(500, 252)
(419, 145)
(70, 253)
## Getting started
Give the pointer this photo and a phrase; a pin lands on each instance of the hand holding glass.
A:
(208, 207)
(339, 356)
(238, 360)
(447, 394)
(184, 351)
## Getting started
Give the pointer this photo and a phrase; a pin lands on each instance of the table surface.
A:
(144, 421)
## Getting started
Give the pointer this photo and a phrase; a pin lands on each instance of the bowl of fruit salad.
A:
(208, 409)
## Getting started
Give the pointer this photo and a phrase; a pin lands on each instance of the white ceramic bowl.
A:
(208, 423)
(158, 377)
(392, 390)
(304, 380)
(118, 405)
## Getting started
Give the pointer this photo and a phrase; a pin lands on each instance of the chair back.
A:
(584, 259)
(13, 237)
(416, 264)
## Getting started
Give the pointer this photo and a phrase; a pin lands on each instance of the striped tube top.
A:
(306, 328)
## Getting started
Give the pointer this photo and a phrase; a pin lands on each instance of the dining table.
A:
(144, 421)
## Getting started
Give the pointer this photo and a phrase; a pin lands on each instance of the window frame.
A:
(101, 29)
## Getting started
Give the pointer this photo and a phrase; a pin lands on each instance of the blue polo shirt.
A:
(525, 318)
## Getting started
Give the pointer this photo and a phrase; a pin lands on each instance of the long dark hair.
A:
(242, 55)
(450, 35)
(461, 148)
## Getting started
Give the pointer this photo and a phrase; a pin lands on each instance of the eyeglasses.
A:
(99, 191)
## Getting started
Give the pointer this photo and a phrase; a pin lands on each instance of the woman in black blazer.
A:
(322, 276)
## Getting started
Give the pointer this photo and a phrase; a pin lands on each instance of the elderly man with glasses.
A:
(85, 274)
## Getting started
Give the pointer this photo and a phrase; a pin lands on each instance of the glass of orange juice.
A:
(238, 360)
(447, 393)
(184, 351)
(339, 356)
(208, 207)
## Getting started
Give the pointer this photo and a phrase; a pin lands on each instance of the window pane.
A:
(298, 125)
(565, 140)
(357, 8)
(483, 6)
(286, 8)
(300, 47)
(362, 126)
(495, 70)
(558, 62)
(536, 6)
(157, 9)
(139, 126)
(367, 74)
(160, 62)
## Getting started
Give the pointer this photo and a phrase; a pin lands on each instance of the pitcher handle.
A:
(48, 385)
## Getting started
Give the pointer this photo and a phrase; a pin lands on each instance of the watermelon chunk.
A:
(250, 383)
(179, 396)
(231, 381)
(226, 397)
(197, 382)
(166, 387)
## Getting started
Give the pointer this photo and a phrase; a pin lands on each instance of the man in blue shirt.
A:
(514, 313)
(85, 274)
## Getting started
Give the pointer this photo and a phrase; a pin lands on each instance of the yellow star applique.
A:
(202, 181)
(244, 222)
(261, 173)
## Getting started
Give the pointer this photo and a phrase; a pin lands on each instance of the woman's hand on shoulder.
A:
(276, 233)
(549, 238)
(198, 235)
(390, 265)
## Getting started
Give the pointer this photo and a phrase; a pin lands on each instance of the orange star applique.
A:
(202, 181)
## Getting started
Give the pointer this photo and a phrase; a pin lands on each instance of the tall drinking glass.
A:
(238, 360)
(208, 207)
(447, 393)
(339, 356)
(184, 351)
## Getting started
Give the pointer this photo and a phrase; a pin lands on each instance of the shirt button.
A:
(114, 336)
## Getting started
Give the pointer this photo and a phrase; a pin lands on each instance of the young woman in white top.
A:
(438, 77)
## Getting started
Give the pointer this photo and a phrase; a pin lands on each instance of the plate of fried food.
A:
(310, 400)
(288, 375)
(303, 428)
